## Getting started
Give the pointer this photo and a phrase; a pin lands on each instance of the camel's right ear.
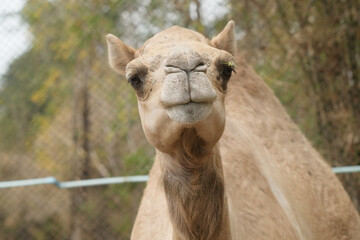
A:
(120, 54)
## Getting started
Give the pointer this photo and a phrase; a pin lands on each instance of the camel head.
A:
(180, 79)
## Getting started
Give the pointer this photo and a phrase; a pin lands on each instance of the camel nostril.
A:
(201, 67)
(172, 69)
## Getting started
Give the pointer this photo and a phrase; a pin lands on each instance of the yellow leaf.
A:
(38, 97)
(83, 54)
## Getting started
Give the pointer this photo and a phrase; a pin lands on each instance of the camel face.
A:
(180, 80)
(187, 93)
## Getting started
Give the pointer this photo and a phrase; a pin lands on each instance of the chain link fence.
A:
(65, 113)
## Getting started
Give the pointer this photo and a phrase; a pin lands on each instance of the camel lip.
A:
(189, 113)
(189, 103)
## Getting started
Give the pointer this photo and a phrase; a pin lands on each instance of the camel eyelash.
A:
(229, 65)
(136, 68)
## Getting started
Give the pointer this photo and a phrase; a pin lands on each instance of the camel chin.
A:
(189, 113)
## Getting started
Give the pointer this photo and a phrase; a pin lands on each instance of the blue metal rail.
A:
(113, 180)
(346, 169)
(73, 184)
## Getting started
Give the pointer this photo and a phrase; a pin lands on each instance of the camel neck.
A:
(194, 189)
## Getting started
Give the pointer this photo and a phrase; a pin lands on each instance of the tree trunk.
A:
(78, 224)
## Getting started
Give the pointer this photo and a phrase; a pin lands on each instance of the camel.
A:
(230, 163)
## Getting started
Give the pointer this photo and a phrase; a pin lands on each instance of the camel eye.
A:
(135, 82)
(225, 71)
(136, 73)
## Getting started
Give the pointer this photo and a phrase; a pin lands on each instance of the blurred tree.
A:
(22, 101)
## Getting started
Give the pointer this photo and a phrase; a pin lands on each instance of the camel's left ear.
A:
(226, 39)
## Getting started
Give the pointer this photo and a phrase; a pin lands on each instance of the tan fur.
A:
(253, 177)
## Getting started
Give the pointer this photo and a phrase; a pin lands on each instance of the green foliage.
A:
(28, 95)
(138, 163)
(125, 198)
(47, 228)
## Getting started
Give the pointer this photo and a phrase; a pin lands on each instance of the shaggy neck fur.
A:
(194, 188)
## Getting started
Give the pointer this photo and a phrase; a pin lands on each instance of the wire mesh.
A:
(65, 113)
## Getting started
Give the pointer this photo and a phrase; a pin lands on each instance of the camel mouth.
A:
(189, 113)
